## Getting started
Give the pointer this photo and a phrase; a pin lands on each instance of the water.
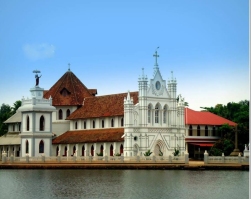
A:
(145, 184)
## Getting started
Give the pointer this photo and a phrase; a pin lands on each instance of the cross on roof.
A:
(156, 57)
(69, 65)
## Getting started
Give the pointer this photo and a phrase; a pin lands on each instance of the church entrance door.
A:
(157, 150)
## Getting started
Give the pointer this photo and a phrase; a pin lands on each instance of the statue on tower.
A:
(37, 77)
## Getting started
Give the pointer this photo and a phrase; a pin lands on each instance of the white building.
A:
(70, 119)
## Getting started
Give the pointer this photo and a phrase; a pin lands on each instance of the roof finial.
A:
(143, 73)
(172, 75)
(69, 67)
(156, 58)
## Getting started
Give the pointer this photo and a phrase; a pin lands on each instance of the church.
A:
(70, 119)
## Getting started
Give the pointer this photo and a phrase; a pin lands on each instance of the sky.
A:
(107, 43)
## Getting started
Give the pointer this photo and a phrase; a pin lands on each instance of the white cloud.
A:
(38, 51)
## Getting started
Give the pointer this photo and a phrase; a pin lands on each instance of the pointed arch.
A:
(65, 151)
(41, 146)
(83, 150)
(165, 114)
(103, 124)
(101, 149)
(84, 124)
(190, 130)
(74, 150)
(121, 149)
(159, 149)
(60, 114)
(27, 146)
(157, 110)
(149, 113)
(76, 125)
(57, 150)
(122, 122)
(112, 122)
(68, 112)
(41, 123)
(27, 123)
(206, 131)
(111, 150)
(214, 131)
(135, 149)
(93, 124)
(198, 130)
(92, 150)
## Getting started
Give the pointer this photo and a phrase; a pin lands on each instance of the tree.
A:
(5, 113)
(238, 113)
(16, 105)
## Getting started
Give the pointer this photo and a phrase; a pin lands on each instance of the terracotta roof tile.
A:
(103, 106)
(90, 136)
(68, 90)
(205, 118)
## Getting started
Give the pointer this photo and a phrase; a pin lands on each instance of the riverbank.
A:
(193, 165)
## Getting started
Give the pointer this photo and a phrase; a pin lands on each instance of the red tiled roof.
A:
(90, 136)
(205, 118)
(93, 91)
(68, 90)
(103, 106)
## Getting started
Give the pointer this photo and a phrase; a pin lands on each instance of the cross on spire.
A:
(69, 67)
(156, 58)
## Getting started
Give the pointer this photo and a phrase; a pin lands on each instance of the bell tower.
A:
(36, 117)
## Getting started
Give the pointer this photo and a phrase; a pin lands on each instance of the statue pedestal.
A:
(236, 152)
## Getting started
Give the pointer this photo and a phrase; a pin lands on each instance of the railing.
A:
(105, 159)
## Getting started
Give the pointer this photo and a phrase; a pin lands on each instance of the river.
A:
(125, 184)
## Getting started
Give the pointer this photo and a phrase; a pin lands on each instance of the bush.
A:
(148, 153)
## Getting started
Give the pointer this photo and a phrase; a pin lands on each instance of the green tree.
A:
(5, 113)
(238, 113)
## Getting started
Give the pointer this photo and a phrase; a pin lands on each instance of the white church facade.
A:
(69, 119)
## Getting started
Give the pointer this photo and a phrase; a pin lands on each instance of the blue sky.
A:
(205, 44)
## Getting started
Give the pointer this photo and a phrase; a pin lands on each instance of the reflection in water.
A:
(124, 184)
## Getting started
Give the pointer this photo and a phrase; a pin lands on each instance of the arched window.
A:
(13, 127)
(27, 146)
(74, 150)
(190, 130)
(84, 124)
(19, 127)
(198, 130)
(111, 150)
(103, 124)
(83, 150)
(76, 125)
(121, 149)
(206, 131)
(65, 151)
(93, 124)
(122, 122)
(112, 123)
(101, 149)
(27, 123)
(41, 146)
(60, 114)
(164, 114)
(157, 113)
(214, 131)
(149, 113)
(68, 112)
(92, 150)
(41, 123)
(57, 150)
